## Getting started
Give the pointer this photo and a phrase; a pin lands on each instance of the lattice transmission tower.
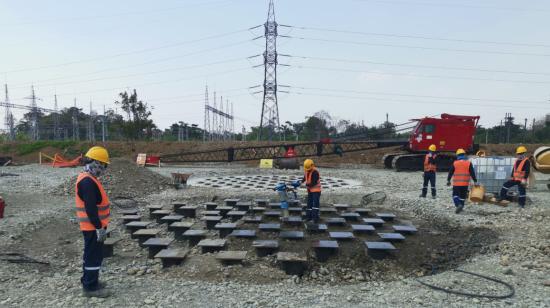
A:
(270, 108)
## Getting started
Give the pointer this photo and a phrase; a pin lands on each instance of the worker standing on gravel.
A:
(92, 210)
(461, 172)
(429, 172)
(2, 206)
(519, 177)
(313, 185)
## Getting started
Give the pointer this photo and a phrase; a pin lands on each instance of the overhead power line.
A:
(417, 47)
(125, 53)
(534, 82)
(423, 66)
(424, 96)
(376, 99)
(421, 37)
(457, 5)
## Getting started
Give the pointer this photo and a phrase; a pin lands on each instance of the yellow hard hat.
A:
(460, 151)
(98, 153)
(521, 150)
(308, 164)
(432, 148)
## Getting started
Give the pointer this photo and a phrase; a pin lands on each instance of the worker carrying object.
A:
(93, 211)
(313, 185)
(519, 176)
(2, 206)
(430, 169)
(461, 172)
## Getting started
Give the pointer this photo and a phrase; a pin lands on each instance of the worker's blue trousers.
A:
(313, 203)
(93, 257)
(521, 189)
(429, 177)
(460, 193)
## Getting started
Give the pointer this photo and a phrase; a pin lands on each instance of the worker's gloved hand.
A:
(101, 234)
(448, 183)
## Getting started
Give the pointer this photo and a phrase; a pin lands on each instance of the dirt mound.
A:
(124, 179)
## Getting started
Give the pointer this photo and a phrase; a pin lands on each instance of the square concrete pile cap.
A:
(341, 235)
(291, 235)
(171, 218)
(362, 228)
(391, 237)
(270, 227)
(312, 227)
(341, 206)
(210, 206)
(252, 219)
(231, 256)
(138, 224)
(128, 212)
(377, 222)
(404, 229)
(272, 213)
(243, 233)
(211, 213)
(171, 257)
(209, 245)
(231, 202)
(379, 246)
(386, 216)
(335, 221)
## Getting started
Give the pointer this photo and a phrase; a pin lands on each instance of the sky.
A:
(356, 59)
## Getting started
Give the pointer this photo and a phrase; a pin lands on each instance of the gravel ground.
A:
(519, 253)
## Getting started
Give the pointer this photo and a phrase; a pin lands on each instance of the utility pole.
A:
(206, 131)
(91, 128)
(103, 126)
(56, 132)
(76, 130)
(270, 108)
(34, 132)
(9, 123)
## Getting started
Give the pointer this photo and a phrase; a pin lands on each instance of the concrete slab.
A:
(265, 247)
(136, 225)
(252, 219)
(211, 213)
(342, 236)
(324, 249)
(225, 228)
(231, 257)
(231, 202)
(144, 234)
(211, 221)
(362, 228)
(386, 216)
(316, 228)
(155, 245)
(189, 211)
(337, 221)
(391, 237)
(243, 233)
(291, 235)
(194, 236)
(376, 222)
(350, 216)
(171, 219)
(171, 257)
(209, 245)
(292, 263)
(210, 206)
(270, 227)
(405, 229)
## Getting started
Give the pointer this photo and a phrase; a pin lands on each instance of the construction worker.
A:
(429, 171)
(92, 210)
(520, 174)
(313, 185)
(2, 206)
(461, 172)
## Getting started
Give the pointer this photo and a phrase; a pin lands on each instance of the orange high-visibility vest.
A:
(103, 208)
(461, 176)
(427, 166)
(519, 173)
(315, 188)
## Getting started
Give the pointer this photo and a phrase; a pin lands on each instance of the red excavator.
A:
(449, 133)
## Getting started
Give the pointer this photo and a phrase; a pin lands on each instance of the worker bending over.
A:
(520, 174)
(462, 172)
(429, 172)
(92, 210)
(313, 185)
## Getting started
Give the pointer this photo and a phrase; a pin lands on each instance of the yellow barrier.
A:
(266, 163)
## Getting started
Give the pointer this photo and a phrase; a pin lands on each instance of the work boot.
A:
(433, 197)
(100, 293)
(459, 209)
(101, 285)
(422, 196)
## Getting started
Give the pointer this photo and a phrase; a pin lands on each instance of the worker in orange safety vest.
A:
(430, 169)
(519, 177)
(462, 172)
(312, 180)
(93, 213)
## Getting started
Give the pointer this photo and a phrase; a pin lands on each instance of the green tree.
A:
(138, 125)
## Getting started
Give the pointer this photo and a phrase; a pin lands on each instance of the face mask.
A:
(95, 168)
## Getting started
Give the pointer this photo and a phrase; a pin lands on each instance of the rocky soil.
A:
(501, 242)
